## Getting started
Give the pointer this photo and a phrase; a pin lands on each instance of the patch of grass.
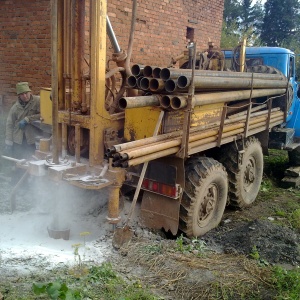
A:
(280, 213)
(100, 281)
(287, 283)
(295, 219)
(276, 163)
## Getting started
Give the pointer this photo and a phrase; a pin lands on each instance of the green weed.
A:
(100, 281)
(254, 253)
(153, 249)
(295, 219)
(287, 283)
(280, 213)
(56, 290)
(195, 245)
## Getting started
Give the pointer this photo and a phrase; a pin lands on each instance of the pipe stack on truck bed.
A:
(211, 87)
(231, 114)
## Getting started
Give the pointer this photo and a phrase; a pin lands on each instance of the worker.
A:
(20, 132)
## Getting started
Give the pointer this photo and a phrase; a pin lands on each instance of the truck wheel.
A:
(244, 177)
(204, 198)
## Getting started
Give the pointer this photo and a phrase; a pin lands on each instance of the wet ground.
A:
(174, 268)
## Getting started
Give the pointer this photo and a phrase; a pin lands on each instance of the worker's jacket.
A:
(30, 112)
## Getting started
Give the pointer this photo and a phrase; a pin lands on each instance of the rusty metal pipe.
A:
(233, 83)
(145, 83)
(173, 150)
(210, 98)
(165, 101)
(171, 85)
(237, 130)
(139, 101)
(78, 17)
(113, 72)
(131, 38)
(137, 70)
(132, 81)
(183, 82)
(178, 102)
(147, 72)
(156, 72)
(139, 160)
(171, 73)
(224, 140)
(156, 85)
(163, 137)
(146, 150)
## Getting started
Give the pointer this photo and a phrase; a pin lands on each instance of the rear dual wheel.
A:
(204, 199)
(245, 171)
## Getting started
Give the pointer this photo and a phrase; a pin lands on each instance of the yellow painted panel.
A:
(46, 106)
(201, 115)
(140, 122)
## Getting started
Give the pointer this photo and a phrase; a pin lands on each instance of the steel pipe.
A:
(156, 72)
(137, 70)
(132, 81)
(165, 101)
(233, 83)
(163, 137)
(139, 101)
(226, 140)
(178, 102)
(156, 85)
(112, 36)
(145, 150)
(171, 73)
(203, 142)
(145, 83)
(147, 72)
(171, 85)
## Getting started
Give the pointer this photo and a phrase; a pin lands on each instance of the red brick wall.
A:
(162, 24)
(25, 35)
(24, 45)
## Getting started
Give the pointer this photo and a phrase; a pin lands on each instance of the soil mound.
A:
(260, 239)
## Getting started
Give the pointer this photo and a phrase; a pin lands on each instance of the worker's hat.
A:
(22, 87)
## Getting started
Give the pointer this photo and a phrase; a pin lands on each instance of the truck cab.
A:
(281, 59)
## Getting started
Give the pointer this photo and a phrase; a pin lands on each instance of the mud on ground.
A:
(230, 262)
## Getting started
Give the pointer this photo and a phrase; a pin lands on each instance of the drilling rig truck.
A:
(191, 136)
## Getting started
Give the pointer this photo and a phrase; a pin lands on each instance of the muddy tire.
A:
(204, 198)
(244, 177)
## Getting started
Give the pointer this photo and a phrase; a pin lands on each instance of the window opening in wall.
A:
(190, 34)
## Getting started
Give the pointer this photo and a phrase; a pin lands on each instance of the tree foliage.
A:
(245, 17)
(276, 23)
(281, 22)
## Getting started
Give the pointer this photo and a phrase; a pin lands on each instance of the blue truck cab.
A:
(283, 60)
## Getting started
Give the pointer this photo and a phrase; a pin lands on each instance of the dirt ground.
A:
(229, 262)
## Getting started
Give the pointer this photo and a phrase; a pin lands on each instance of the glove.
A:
(22, 124)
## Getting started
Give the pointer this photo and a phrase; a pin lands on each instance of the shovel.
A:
(123, 235)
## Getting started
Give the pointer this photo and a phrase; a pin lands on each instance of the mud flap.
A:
(158, 212)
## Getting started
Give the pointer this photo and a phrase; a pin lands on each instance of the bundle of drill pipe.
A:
(169, 86)
(201, 138)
